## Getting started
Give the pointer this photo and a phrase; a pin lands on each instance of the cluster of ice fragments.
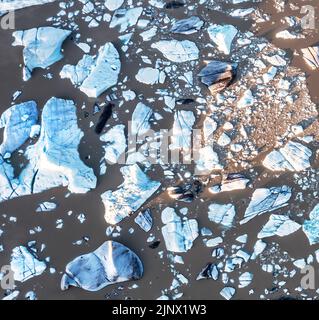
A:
(232, 109)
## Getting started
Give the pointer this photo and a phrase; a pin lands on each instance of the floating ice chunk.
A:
(246, 100)
(113, 5)
(141, 119)
(179, 234)
(245, 279)
(227, 293)
(278, 225)
(292, 157)
(136, 189)
(144, 220)
(231, 182)
(42, 47)
(182, 130)
(9, 5)
(111, 263)
(214, 242)
(94, 75)
(54, 159)
(207, 161)
(209, 272)
(311, 226)
(266, 200)
(218, 75)
(17, 122)
(311, 56)
(259, 247)
(126, 18)
(177, 51)
(148, 75)
(187, 26)
(222, 214)
(222, 36)
(46, 206)
(115, 143)
(25, 264)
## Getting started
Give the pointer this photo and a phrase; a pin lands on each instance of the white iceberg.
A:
(148, 76)
(25, 264)
(222, 214)
(136, 189)
(266, 200)
(94, 75)
(111, 263)
(292, 157)
(278, 225)
(222, 36)
(227, 292)
(114, 143)
(245, 279)
(144, 220)
(54, 160)
(311, 227)
(141, 119)
(113, 4)
(177, 51)
(8, 5)
(179, 234)
(182, 130)
(187, 26)
(125, 18)
(42, 47)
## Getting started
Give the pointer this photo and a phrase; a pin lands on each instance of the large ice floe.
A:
(177, 51)
(111, 263)
(125, 18)
(95, 74)
(311, 226)
(179, 234)
(42, 47)
(279, 225)
(136, 189)
(54, 160)
(17, 122)
(6, 5)
(266, 200)
(25, 264)
(222, 36)
(222, 214)
(292, 157)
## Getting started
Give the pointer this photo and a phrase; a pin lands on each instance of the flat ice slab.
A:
(136, 189)
(7, 5)
(311, 226)
(94, 75)
(42, 47)
(179, 234)
(111, 263)
(266, 200)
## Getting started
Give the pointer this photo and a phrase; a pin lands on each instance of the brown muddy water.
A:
(158, 275)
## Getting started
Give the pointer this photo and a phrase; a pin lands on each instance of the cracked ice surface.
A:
(136, 189)
(25, 264)
(54, 159)
(222, 214)
(177, 51)
(293, 157)
(19, 4)
(42, 47)
(278, 225)
(111, 263)
(311, 226)
(92, 75)
(17, 122)
(179, 234)
(266, 200)
(125, 18)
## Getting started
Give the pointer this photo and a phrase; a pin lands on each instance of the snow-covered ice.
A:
(222, 214)
(136, 189)
(95, 74)
(179, 234)
(42, 47)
